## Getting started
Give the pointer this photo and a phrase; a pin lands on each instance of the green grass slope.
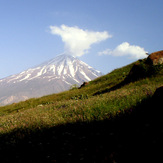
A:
(112, 119)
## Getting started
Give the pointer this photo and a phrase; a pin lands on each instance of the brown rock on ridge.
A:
(155, 58)
(145, 68)
(84, 84)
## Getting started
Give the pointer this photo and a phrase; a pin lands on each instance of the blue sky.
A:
(115, 30)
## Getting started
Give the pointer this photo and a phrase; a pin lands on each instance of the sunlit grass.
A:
(79, 105)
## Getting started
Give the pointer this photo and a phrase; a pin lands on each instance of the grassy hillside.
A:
(101, 122)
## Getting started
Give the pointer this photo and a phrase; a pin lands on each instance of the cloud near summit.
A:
(78, 41)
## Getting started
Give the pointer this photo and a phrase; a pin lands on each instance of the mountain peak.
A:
(52, 76)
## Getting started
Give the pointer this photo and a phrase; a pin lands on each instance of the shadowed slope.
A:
(136, 136)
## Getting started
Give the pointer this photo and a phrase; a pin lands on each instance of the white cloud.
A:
(78, 41)
(125, 49)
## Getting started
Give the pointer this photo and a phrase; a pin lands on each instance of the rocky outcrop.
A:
(84, 84)
(155, 58)
(145, 68)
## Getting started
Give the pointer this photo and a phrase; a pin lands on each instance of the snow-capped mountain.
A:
(50, 77)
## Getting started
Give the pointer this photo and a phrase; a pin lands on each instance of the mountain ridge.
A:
(53, 76)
